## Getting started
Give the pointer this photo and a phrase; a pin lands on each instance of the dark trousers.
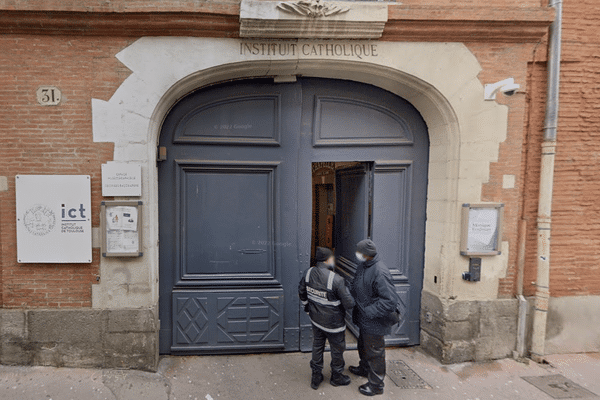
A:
(371, 350)
(337, 343)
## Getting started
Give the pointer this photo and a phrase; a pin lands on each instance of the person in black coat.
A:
(375, 313)
(326, 299)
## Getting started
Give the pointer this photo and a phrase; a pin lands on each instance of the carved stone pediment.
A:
(312, 8)
(312, 19)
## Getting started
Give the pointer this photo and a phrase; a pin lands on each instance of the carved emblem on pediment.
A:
(312, 8)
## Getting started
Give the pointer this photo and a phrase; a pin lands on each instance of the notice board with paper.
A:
(482, 225)
(121, 225)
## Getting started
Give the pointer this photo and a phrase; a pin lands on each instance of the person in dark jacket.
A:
(326, 299)
(376, 303)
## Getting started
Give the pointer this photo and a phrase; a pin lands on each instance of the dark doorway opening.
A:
(341, 215)
(325, 205)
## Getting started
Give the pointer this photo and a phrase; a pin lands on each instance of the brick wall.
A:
(575, 258)
(500, 61)
(58, 140)
(575, 240)
(51, 140)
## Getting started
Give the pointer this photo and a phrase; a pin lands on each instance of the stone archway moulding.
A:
(439, 79)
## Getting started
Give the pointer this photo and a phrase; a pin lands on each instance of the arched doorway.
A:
(236, 200)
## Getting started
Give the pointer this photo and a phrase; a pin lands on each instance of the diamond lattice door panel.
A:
(191, 317)
(232, 320)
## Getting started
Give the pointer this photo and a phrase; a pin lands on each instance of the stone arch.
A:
(446, 92)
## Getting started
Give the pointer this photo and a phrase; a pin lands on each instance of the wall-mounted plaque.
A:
(121, 225)
(121, 179)
(54, 218)
(481, 233)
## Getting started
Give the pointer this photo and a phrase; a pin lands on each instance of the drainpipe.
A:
(542, 292)
(522, 318)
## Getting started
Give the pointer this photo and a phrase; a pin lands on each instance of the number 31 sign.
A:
(48, 95)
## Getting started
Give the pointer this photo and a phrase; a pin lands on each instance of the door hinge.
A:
(162, 153)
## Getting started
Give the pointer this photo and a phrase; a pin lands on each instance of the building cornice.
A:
(467, 24)
(223, 22)
(405, 23)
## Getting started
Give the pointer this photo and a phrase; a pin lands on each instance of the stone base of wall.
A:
(85, 338)
(457, 331)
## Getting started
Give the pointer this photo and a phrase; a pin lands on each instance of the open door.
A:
(353, 209)
(395, 234)
(373, 202)
(352, 224)
(353, 212)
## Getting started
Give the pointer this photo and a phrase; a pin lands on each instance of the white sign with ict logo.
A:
(54, 219)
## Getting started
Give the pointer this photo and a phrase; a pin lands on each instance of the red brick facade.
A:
(72, 45)
(51, 140)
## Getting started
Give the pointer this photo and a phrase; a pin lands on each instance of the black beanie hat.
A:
(323, 253)
(366, 247)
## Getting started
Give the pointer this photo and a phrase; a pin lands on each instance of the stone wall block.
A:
(458, 351)
(73, 355)
(462, 310)
(500, 308)
(500, 342)
(131, 350)
(80, 338)
(17, 352)
(14, 348)
(131, 321)
(432, 312)
(460, 330)
(13, 324)
(431, 345)
(67, 326)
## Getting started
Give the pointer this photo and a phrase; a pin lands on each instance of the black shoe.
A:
(316, 380)
(369, 390)
(340, 380)
(358, 371)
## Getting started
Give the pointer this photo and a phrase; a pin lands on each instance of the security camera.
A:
(509, 90)
(507, 86)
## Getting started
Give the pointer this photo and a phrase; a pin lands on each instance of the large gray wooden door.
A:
(235, 205)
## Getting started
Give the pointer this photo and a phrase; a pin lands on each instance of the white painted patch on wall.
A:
(508, 181)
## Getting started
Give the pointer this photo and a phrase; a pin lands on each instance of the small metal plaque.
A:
(559, 387)
(404, 377)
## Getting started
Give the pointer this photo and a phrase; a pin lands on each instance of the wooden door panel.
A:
(216, 321)
(228, 216)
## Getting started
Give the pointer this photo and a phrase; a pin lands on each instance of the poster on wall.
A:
(481, 229)
(121, 227)
(54, 218)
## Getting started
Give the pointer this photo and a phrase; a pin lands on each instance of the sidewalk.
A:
(286, 376)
